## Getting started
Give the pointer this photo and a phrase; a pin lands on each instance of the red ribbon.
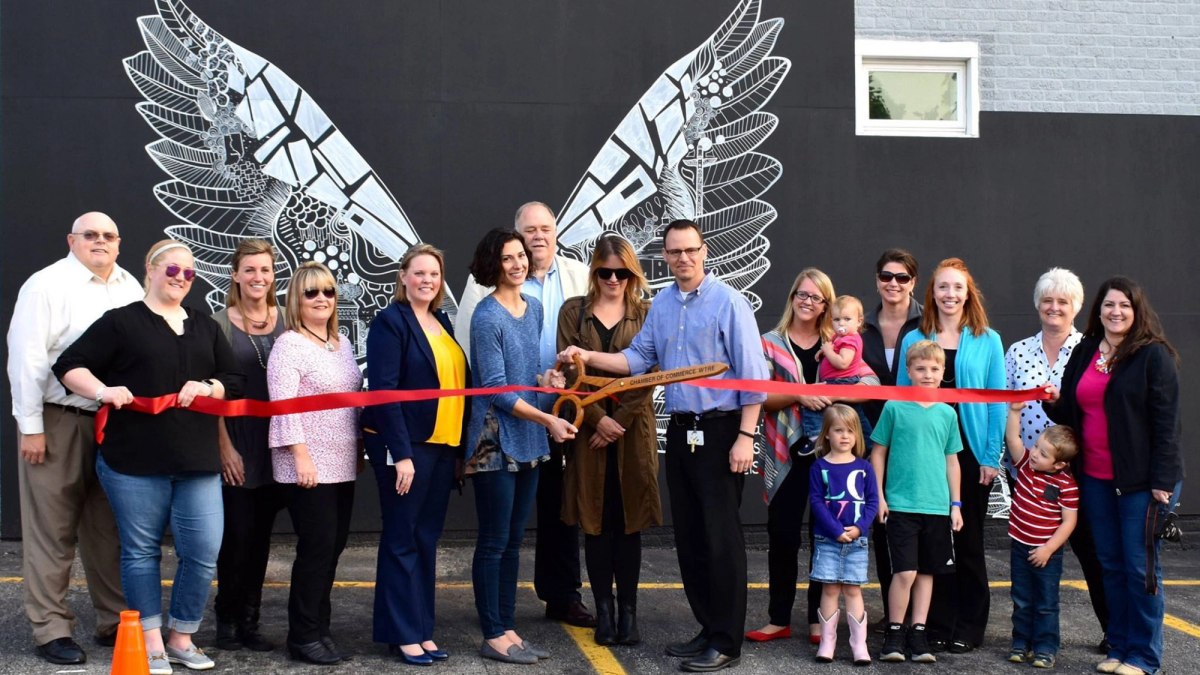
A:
(252, 408)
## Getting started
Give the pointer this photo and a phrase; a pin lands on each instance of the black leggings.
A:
(785, 525)
(613, 553)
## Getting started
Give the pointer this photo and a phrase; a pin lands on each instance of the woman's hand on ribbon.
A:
(815, 403)
(1052, 391)
(116, 396)
(191, 389)
(405, 472)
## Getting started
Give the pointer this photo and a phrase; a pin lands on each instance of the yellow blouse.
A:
(452, 374)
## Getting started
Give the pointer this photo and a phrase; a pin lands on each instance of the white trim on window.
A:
(961, 58)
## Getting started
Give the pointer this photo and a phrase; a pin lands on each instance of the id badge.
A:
(695, 437)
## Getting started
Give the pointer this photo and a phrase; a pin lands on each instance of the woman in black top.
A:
(1120, 393)
(883, 330)
(164, 468)
(251, 322)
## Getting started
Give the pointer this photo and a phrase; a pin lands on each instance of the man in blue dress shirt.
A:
(710, 438)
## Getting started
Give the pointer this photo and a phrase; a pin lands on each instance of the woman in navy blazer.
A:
(413, 448)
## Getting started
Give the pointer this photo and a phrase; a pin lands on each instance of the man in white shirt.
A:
(552, 279)
(61, 498)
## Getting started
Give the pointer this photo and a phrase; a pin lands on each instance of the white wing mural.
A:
(250, 154)
(687, 150)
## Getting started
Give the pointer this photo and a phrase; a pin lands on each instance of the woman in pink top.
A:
(315, 454)
(1120, 389)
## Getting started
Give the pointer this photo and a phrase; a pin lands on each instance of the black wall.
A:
(468, 108)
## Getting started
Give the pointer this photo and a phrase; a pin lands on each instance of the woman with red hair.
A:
(954, 317)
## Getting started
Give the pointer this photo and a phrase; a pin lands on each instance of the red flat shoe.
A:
(814, 639)
(759, 636)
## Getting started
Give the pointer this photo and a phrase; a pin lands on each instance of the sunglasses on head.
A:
(607, 273)
(900, 277)
(311, 293)
(173, 270)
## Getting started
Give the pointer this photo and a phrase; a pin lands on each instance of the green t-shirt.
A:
(918, 440)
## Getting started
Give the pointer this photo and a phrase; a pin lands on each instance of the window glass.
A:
(906, 95)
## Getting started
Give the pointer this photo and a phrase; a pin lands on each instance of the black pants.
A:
(321, 517)
(785, 525)
(613, 553)
(961, 601)
(705, 498)
(245, 549)
(556, 572)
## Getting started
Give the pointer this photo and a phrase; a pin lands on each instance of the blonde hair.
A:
(845, 302)
(824, 319)
(1063, 440)
(409, 255)
(157, 250)
(610, 245)
(245, 249)
(840, 412)
(927, 350)
(311, 274)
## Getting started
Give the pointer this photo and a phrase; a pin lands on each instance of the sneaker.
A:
(1043, 660)
(159, 665)
(893, 643)
(918, 645)
(1019, 655)
(192, 657)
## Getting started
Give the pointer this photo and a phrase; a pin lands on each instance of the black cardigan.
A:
(1142, 406)
(875, 355)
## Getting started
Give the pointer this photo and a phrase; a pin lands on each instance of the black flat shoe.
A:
(313, 652)
(253, 640)
(109, 640)
(227, 637)
(711, 660)
(327, 640)
(573, 613)
(960, 647)
(694, 647)
(63, 652)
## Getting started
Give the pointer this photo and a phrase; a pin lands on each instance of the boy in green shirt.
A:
(916, 463)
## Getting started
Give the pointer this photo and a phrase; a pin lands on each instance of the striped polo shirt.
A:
(1038, 501)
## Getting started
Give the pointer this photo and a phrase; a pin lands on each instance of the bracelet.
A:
(956, 503)
(747, 434)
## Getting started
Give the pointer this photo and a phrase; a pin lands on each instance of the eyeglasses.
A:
(808, 297)
(92, 235)
(311, 293)
(607, 273)
(173, 270)
(901, 277)
(676, 252)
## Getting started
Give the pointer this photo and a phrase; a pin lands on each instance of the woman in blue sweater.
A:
(504, 443)
(954, 317)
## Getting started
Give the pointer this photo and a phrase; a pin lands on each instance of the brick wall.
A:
(1089, 56)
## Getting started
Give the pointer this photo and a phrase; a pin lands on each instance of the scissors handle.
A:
(580, 373)
(578, 407)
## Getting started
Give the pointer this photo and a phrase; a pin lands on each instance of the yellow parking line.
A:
(1181, 625)
(601, 658)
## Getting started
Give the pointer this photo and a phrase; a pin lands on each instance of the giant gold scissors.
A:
(609, 386)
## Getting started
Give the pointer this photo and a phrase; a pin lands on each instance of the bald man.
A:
(61, 498)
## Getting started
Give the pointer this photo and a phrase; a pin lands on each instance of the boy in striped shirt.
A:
(1045, 509)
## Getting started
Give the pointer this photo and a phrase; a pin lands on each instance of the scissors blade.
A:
(666, 377)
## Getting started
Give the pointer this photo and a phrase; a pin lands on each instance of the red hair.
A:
(973, 316)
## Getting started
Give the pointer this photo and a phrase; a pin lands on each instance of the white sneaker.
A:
(192, 657)
(159, 665)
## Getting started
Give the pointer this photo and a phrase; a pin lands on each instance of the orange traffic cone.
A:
(129, 654)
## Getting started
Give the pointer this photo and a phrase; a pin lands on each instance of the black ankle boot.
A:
(627, 629)
(227, 636)
(605, 624)
(252, 639)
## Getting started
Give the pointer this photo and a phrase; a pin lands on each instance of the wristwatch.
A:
(100, 394)
(210, 383)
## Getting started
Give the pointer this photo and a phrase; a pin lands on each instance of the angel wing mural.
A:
(250, 154)
(687, 150)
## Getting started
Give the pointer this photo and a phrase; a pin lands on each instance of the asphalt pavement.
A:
(664, 617)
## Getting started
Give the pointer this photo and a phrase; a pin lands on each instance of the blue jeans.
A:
(1118, 522)
(810, 420)
(191, 503)
(503, 500)
(1035, 600)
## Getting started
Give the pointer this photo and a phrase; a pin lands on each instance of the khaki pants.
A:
(61, 500)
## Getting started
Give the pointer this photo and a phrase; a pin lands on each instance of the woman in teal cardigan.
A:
(954, 318)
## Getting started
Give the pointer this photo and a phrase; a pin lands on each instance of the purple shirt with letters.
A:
(842, 495)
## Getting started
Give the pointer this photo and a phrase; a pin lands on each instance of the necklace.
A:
(1103, 363)
(258, 325)
(256, 351)
(328, 343)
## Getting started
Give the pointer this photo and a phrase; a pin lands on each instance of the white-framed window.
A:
(916, 88)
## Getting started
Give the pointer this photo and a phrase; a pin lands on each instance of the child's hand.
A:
(955, 518)
(827, 349)
(882, 514)
(1016, 406)
(1039, 556)
(850, 534)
